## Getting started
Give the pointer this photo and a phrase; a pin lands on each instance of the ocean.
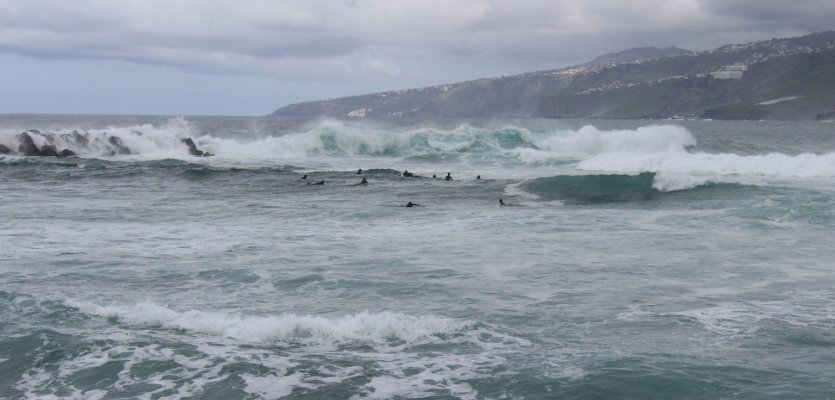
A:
(631, 259)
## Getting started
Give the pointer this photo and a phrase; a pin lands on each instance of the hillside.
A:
(792, 78)
(635, 54)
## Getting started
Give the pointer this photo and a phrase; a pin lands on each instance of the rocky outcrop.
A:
(49, 150)
(76, 137)
(193, 150)
(4, 149)
(120, 147)
(27, 147)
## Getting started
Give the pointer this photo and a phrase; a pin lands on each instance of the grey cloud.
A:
(376, 39)
(808, 14)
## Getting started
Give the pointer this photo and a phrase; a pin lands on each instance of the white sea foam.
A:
(515, 191)
(654, 148)
(773, 165)
(337, 138)
(810, 310)
(663, 149)
(446, 373)
(724, 319)
(667, 182)
(590, 141)
(274, 387)
(146, 141)
(375, 328)
(214, 344)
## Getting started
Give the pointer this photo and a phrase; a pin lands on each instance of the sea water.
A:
(632, 259)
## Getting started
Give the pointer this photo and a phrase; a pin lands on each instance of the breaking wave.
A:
(610, 188)
(396, 354)
(371, 328)
(668, 151)
(334, 138)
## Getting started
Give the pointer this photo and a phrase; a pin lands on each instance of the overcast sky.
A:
(248, 57)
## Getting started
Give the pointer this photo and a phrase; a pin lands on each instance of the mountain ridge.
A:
(635, 54)
(788, 78)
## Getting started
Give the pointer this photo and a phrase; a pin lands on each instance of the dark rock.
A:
(26, 145)
(49, 150)
(80, 139)
(4, 149)
(193, 150)
(121, 149)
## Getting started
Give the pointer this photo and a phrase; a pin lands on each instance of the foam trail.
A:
(375, 328)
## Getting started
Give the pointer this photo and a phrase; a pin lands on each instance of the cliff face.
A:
(790, 78)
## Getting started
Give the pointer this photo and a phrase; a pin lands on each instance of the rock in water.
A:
(193, 150)
(4, 149)
(121, 149)
(26, 145)
(49, 150)
(79, 139)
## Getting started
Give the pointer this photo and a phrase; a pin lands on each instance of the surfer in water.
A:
(501, 203)
(359, 171)
(410, 204)
(408, 174)
(448, 177)
(362, 182)
(304, 177)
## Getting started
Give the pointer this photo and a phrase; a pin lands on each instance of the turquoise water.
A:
(635, 260)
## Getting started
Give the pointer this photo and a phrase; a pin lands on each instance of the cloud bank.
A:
(384, 39)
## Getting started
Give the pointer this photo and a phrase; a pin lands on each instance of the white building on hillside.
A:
(733, 71)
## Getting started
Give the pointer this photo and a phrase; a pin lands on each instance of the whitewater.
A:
(632, 259)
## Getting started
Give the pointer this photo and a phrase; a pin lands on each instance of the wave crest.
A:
(373, 328)
(666, 150)
(334, 138)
